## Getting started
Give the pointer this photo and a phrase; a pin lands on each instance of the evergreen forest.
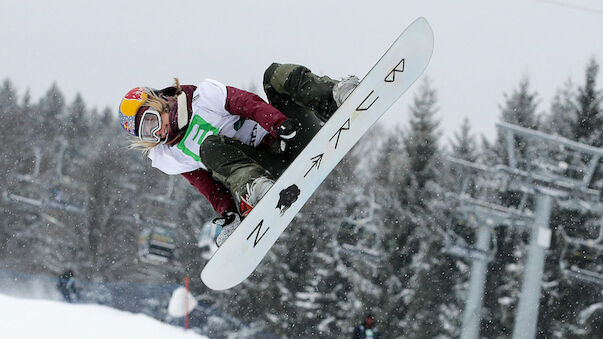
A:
(371, 239)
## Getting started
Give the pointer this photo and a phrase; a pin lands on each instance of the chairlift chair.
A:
(355, 239)
(69, 195)
(365, 253)
(24, 191)
(348, 233)
(357, 235)
(582, 259)
(156, 245)
(456, 242)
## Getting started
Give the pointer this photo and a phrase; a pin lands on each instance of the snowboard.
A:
(400, 66)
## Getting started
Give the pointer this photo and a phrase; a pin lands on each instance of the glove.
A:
(226, 219)
(287, 131)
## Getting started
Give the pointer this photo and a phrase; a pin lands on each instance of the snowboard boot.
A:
(297, 83)
(344, 88)
(228, 229)
(252, 194)
(248, 198)
(225, 233)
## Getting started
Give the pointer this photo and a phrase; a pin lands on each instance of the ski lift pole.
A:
(477, 282)
(526, 317)
(186, 281)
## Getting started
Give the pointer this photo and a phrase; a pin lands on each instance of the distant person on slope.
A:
(66, 285)
(367, 329)
(228, 143)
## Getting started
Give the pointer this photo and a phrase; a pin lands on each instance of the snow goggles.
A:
(150, 124)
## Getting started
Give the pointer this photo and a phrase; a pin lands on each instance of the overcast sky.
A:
(482, 48)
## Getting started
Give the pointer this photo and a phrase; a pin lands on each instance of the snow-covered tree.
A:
(589, 120)
(562, 117)
(76, 124)
(464, 145)
(410, 195)
(50, 109)
(421, 141)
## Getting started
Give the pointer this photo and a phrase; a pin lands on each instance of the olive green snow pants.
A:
(297, 93)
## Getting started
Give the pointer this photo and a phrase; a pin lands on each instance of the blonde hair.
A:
(141, 145)
(161, 105)
(156, 102)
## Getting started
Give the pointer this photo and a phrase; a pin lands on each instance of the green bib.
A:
(198, 129)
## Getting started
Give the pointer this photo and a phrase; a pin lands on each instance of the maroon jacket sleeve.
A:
(251, 106)
(216, 193)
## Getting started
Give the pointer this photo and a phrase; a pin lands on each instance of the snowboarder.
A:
(229, 143)
(367, 329)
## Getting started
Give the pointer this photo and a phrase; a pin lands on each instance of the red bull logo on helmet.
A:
(135, 94)
(132, 101)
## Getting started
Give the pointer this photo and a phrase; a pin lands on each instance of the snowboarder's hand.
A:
(287, 131)
(227, 218)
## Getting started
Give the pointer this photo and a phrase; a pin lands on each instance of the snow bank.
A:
(34, 319)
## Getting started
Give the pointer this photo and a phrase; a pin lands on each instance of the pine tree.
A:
(14, 128)
(76, 122)
(520, 106)
(562, 117)
(51, 109)
(464, 145)
(519, 109)
(104, 239)
(8, 99)
(398, 245)
(13, 133)
(414, 269)
(589, 121)
(421, 140)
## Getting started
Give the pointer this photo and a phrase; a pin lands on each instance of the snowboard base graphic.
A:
(392, 75)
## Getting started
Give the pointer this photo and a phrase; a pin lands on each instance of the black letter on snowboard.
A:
(344, 127)
(258, 228)
(391, 76)
(369, 106)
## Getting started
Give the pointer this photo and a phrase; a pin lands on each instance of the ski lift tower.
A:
(552, 168)
(473, 207)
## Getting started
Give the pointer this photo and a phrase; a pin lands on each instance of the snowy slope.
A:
(27, 318)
